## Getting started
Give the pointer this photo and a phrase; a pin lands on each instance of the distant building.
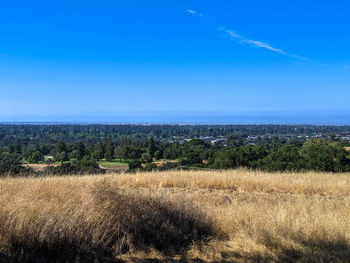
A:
(208, 139)
(217, 141)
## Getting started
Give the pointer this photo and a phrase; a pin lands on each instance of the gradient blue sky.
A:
(85, 60)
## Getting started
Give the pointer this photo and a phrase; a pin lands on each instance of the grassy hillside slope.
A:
(180, 216)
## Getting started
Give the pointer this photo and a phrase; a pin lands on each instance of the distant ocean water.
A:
(316, 118)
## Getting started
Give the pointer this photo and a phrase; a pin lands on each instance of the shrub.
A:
(87, 165)
(134, 164)
(168, 166)
(286, 158)
(150, 167)
(36, 157)
(322, 155)
(10, 164)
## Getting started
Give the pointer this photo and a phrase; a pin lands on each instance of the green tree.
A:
(286, 158)
(18, 147)
(158, 155)
(87, 165)
(249, 155)
(225, 158)
(134, 164)
(109, 150)
(81, 150)
(61, 146)
(61, 152)
(100, 150)
(151, 147)
(234, 140)
(146, 157)
(150, 167)
(119, 153)
(61, 157)
(322, 155)
(233, 157)
(172, 151)
(10, 163)
(35, 157)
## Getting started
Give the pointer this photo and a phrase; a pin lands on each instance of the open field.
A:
(177, 216)
(114, 163)
(108, 167)
(114, 166)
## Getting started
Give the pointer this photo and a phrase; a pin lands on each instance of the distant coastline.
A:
(188, 119)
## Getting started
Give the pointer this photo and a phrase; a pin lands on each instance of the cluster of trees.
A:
(10, 163)
(315, 154)
(86, 165)
(81, 156)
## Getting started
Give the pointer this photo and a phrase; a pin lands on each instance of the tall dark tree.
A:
(119, 153)
(109, 150)
(11, 148)
(18, 147)
(234, 140)
(151, 147)
(61, 152)
(61, 146)
(98, 152)
(146, 157)
(36, 157)
(158, 154)
(61, 157)
(81, 150)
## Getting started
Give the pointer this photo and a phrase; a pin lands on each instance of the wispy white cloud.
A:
(231, 33)
(266, 45)
(193, 12)
(243, 40)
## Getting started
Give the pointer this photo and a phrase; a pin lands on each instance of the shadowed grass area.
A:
(231, 216)
(99, 221)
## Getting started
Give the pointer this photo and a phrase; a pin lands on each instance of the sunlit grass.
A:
(190, 216)
(105, 163)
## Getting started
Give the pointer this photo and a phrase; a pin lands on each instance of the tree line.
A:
(40, 134)
(316, 154)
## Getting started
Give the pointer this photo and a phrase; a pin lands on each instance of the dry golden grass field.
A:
(176, 216)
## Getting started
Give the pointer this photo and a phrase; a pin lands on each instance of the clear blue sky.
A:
(85, 60)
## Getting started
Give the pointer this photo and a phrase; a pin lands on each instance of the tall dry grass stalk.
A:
(231, 216)
(243, 180)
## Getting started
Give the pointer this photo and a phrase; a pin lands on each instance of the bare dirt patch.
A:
(38, 167)
(161, 162)
(115, 169)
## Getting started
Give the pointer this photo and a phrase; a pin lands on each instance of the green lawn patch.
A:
(104, 163)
